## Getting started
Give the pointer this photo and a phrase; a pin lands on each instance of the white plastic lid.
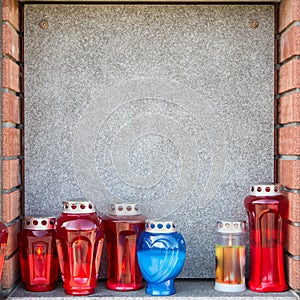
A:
(231, 226)
(265, 189)
(125, 209)
(157, 226)
(78, 206)
(38, 223)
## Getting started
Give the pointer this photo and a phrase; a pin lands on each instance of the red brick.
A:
(11, 73)
(10, 174)
(289, 12)
(293, 272)
(10, 12)
(294, 206)
(289, 76)
(11, 206)
(10, 42)
(10, 271)
(12, 242)
(289, 108)
(292, 243)
(11, 142)
(10, 108)
(290, 43)
(289, 173)
(289, 140)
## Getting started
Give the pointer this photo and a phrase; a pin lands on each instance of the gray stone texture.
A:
(170, 106)
(153, 1)
(185, 289)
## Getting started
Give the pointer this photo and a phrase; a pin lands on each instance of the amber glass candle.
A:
(230, 256)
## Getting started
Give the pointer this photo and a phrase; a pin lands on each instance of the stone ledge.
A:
(154, 1)
(186, 289)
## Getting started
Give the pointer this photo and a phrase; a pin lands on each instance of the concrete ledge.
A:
(186, 289)
(155, 1)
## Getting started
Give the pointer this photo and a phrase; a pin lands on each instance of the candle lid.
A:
(265, 189)
(125, 209)
(157, 226)
(78, 206)
(38, 223)
(231, 226)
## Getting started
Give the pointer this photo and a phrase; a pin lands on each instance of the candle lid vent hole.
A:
(157, 226)
(123, 209)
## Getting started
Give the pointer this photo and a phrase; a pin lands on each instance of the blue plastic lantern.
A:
(161, 254)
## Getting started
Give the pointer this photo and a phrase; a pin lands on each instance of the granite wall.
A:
(171, 106)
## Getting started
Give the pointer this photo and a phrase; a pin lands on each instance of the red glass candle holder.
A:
(37, 253)
(79, 240)
(266, 208)
(122, 226)
(3, 243)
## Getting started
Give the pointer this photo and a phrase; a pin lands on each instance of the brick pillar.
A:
(11, 137)
(289, 129)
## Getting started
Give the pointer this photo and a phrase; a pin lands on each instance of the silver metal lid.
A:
(38, 223)
(157, 226)
(231, 226)
(265, 189)
(78, 206)
(125, 209)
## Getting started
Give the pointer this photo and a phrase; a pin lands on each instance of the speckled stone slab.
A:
(185, 289)
(170, 106)
(154, 1)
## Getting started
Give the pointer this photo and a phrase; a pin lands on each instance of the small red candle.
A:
(3, 243)
(38, 255)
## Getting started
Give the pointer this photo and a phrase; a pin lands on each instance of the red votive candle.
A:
(37, 253)
(79, 240)
(3, 243)
(266, 208)
(123, 225)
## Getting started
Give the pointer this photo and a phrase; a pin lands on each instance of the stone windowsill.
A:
(186, 289)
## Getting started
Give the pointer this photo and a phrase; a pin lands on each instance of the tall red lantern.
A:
(3, 243)
(79, 240)
(266, 208)
(37, 253)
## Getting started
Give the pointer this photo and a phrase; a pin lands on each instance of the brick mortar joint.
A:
(10, 125)
(286, 61)
(7, 22)
(286, 125)
(287, 93)
(294, 257)
(14, 93)
(8, 257)
(295, 224)
(12, 190)
(17, 220)
(12, 59)
(293, 191)
(287, 157)
(286, 29)
(14, 157)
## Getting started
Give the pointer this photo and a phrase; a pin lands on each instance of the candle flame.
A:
(39, 250)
